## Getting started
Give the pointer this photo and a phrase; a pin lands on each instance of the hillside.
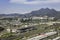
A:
(41, 12)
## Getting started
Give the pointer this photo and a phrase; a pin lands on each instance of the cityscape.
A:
(38, 23)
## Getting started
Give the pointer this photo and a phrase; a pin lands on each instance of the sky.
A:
(26, 6)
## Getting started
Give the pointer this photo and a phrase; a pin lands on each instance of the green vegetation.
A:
(6, 35)
(40, 28)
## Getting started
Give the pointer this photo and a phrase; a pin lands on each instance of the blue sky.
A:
(25, 6)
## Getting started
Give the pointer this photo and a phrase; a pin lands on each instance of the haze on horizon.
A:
(25, 6)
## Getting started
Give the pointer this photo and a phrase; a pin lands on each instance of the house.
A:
(13, 30)
(44, 17)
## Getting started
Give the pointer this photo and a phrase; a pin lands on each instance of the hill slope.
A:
(43, 12)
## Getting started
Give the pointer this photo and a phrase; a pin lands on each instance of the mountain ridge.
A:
(45, 11)
(40, 12)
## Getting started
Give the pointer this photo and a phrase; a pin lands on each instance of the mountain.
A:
(43, 12)
(11, 15)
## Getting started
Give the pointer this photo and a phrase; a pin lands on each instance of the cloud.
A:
(34, 1)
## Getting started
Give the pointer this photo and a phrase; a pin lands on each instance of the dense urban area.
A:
(31, 28)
